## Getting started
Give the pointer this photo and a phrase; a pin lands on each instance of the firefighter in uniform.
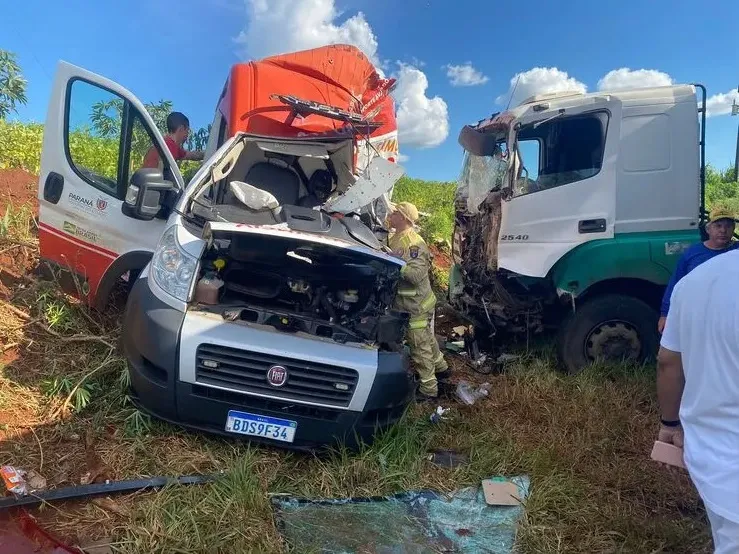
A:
(416, 297)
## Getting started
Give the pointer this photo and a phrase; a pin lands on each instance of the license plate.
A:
(261, 426)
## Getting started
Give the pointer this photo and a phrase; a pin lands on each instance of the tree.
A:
(12, 84)
(721, 188)
(198, 139)
(107, 117)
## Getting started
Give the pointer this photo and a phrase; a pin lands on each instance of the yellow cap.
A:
(407, 210)
(721, 212)
(219, 264)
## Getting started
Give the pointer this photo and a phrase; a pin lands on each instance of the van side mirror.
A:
(147, 194)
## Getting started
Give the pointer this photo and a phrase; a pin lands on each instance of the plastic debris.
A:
(469, 394)
(447, 458)
(101, 489)
(459, 330)
(456, 346)
(14, 480)
(499, 491)
(438, 414)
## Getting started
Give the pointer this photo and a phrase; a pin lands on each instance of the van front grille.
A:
(246, 371)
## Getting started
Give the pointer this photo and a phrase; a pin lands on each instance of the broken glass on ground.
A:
(407, 523)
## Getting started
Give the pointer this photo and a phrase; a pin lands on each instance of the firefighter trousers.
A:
(426, 357)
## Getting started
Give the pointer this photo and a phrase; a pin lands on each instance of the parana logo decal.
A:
(96, 208)
(80, 199)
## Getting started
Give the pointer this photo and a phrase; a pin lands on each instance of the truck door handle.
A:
(53, 187)
(591, 226)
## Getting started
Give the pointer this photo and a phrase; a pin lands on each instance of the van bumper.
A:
(151, 345)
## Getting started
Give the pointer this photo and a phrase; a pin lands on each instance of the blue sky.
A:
(182, 51)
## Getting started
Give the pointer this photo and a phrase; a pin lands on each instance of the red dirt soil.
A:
(17, 187)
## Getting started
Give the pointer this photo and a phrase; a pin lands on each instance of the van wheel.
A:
(611, 328)
(118, 295)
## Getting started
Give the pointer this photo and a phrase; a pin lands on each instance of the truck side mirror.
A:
(147, 194)
(476, 142)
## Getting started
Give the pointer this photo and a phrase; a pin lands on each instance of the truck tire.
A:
(612, 328)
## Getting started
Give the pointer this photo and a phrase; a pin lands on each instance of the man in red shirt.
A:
(178, 129)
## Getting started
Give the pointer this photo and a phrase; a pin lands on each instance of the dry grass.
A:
(583, 440)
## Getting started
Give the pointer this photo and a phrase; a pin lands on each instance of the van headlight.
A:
(172, 267)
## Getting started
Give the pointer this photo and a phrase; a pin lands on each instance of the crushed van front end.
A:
(194, 369)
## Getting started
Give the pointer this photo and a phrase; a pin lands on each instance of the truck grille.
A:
(246, 371)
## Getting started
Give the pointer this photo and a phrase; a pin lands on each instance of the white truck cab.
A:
(261, 299)
(571, 212)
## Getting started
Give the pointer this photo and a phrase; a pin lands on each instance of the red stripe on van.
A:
(83, 258)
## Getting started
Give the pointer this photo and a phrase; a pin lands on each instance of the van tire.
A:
(133, 262)
(611, 328)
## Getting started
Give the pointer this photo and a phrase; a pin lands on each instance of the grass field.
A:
(583, 440)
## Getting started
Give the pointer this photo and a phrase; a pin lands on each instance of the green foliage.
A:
(434, 198)
(95, 153)
(109, 124)
(17, 223)
(198, 139)
(58, 312)
(12, 84)
(95, 150)
(722, 188)
(137, 424)
(20, 145)
(63, 386)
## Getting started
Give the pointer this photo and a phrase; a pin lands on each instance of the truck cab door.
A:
(565, 191)
(97, 135)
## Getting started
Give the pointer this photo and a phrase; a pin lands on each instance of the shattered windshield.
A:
(480, 175)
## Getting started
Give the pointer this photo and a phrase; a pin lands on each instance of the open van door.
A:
(91, 231)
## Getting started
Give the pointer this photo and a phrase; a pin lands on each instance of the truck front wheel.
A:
(611, 328)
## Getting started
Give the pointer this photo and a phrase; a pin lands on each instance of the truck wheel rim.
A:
(613, 341)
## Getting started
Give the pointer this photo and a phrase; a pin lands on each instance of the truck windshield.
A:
(480, 175)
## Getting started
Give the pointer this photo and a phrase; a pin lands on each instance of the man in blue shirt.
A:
(720, 229)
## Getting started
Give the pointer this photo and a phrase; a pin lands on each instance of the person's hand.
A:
(661, 324)
(671, 435)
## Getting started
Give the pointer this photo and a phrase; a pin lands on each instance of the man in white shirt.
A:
(698, 389)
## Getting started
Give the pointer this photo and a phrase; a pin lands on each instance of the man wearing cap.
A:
(720, 229)
(416, 297)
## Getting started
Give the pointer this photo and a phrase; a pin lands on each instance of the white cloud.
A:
(720, 104)
(464, 75)
(422, 121)
(625, 78)
(280, 26)
(402, 158)
(538, 81)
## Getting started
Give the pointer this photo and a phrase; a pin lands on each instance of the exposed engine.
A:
(299, 286)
